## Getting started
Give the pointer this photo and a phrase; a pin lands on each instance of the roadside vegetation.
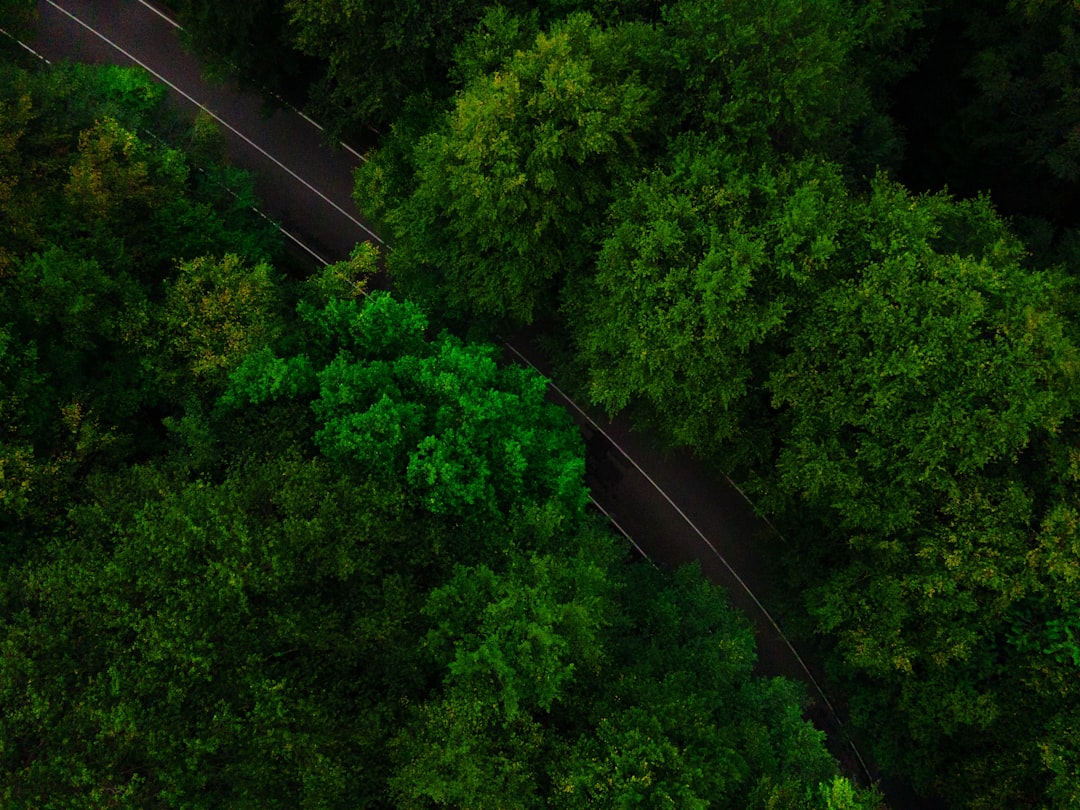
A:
(830, 246)
(283, 543)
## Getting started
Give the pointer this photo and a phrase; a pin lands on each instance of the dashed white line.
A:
(222, 121)
(611, 519)
(24, 46)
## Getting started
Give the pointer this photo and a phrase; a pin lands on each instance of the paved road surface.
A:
(304, 182)
(674, 509)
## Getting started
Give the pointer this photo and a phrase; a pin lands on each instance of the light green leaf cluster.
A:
(471, 438)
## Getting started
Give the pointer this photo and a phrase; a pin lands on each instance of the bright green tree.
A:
(472, 439)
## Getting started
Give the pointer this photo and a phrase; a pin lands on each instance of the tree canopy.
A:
(271, 543)
(891, 373)
(830, 247)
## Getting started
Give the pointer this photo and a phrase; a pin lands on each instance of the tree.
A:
(378, 54)
(917, 397)
(193, 644)
(994, 108)
(510, 187)
(675, 715)
(776, 78)
(473, 440)
(17, 16)
(941, 356)
(509, 644)
(704, 270)
(94, 220)
(217, 312)
(252, 39)
(572, 682)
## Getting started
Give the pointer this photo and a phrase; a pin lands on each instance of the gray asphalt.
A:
(675, 509)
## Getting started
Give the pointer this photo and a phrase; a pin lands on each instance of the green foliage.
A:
(509, 187)
(510, 644)
(910, 378)
(378, 53)
(361, 575)
(94, 221)
(695, 289)
(916, 397)
(251, 38)
(217, 312)
(766, 77)
(996, 106)
(472, 440)
(394, 598)
(521, 633)
(194, 647)
(89, 172)
(625, 700)
(712, 736)
(343, 280)
(17, 16)
(940, 357)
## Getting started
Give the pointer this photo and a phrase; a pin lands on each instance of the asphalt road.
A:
(304, 182)
(674, 509)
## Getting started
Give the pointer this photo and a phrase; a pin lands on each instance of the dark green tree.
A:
(706, 267)
(197, 644)
(917, 399)
(509, 644)
(511, 186)
(252, 39)
(995, 108)
(780, 77)
(17, 16)
(94, 221)
(377, 54)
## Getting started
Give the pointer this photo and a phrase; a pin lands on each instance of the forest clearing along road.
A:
(675, 509)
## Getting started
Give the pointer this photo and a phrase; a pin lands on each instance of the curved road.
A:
(673, 509)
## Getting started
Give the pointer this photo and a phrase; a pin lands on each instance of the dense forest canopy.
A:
(278, 543)
(833, 247)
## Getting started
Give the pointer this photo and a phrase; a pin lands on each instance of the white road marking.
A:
(161, 14)
(621, 530)
(24, 46)
(223, 122)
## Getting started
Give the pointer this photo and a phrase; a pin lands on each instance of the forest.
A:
(280, 542)
(273, 541)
